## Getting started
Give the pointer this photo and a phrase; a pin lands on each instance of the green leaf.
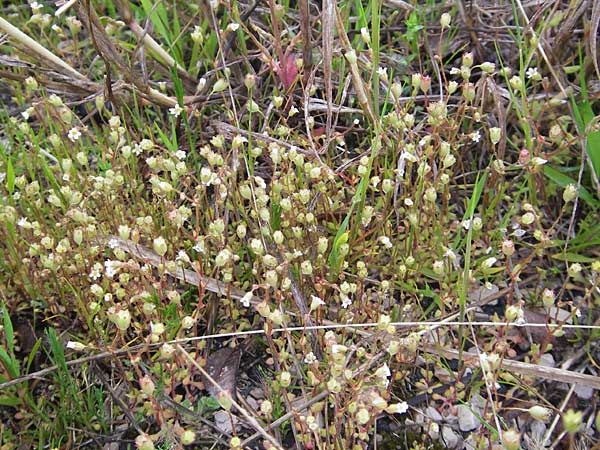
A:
(275, 216)
(8, 331)
(9, 401)
(32, 354)
(584, 115)
(10, 176)
(178, 85)
(573, 258)
(10, 363)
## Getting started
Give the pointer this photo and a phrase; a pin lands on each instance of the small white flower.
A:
(233, 26)
(176, 110)
(182, 256)
(346, 302)
(488, 262)
(449, 253)
(74, 134)
(475, 136)
(383, 371)
(537, 161)
(533, 74)
(180, 154)
(382, 72)
(310, 358)
(315, 302)
(95, 272)
(245, 300)
(22, 222)
(137, 150)
(111, 267)
(199, 247)
(386, 241)
(397, 408)
(338, 349)
(197, 34)
(466, 224)
(77, 346)
(113, 243)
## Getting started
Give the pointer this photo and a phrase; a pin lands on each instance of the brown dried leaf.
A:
(222, 366)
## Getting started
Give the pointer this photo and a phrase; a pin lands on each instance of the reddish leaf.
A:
(288, 70)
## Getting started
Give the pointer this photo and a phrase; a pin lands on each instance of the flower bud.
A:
(488, 67)
(508, 247)
(188, 437)
(306, 267)
(166, 351)
(548, 297)
(223, 257)
(416, 80)
(527, 218)
(574, 269)
(540, 413)
(495, 135)
(513, 312)
(452, 87)
(147, 385)
(383, 322)
(160, 246)
(143, 442)
(430, 194)
(249, 81)
(322, 245)
(220, 86)
(572, 421)
(511, 440)
(467, 59)
(122, 319)
(285, 378)
(445, 20)
(570, 193)
(266, 407)
(363, 416)
(515, 82)
(425, 83)
(364, 34)
(187, 322)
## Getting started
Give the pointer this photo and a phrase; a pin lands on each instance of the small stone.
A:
(434, 415)
(584, 392)
(547, 360)
(538, 430)
(470, 443)
(252, 402)
(467, 421)
(450, 438)
(434, 431)
(478, 403)
(257, 393)
(223, 423)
